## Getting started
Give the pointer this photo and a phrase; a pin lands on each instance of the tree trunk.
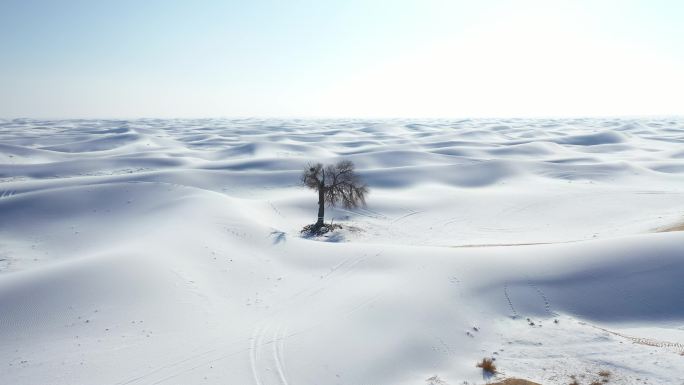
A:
(321, 206)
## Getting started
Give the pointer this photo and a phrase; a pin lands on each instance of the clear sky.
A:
(341, 58)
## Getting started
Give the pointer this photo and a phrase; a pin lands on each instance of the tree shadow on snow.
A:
(278, 236)
(335, 237)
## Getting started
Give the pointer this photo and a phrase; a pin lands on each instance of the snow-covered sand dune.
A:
(168, 252)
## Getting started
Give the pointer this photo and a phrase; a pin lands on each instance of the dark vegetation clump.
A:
(315, 230)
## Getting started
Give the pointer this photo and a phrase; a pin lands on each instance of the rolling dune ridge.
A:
(168, 252)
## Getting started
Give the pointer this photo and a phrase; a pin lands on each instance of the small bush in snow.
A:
(487, 365)
(435, 380)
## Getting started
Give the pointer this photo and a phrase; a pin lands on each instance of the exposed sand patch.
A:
(515, 381)
(678, 227)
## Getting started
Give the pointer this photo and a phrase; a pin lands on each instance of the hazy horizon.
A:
(353, 118)
(352, 59)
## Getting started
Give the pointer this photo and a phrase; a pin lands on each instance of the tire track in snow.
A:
(160, 370)
(405, 216)
(337, 274)
(194, 362)
(279, 354)
(265, 334)
(257, 335)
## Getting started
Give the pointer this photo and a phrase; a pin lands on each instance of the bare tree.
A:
(336, 184)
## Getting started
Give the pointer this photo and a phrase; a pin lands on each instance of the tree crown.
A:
(339, 182)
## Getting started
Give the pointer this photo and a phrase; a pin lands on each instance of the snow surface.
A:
(168, 252)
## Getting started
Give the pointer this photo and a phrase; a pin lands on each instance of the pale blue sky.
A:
(347, 58)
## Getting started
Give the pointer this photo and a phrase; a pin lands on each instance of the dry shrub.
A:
(487, 365)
